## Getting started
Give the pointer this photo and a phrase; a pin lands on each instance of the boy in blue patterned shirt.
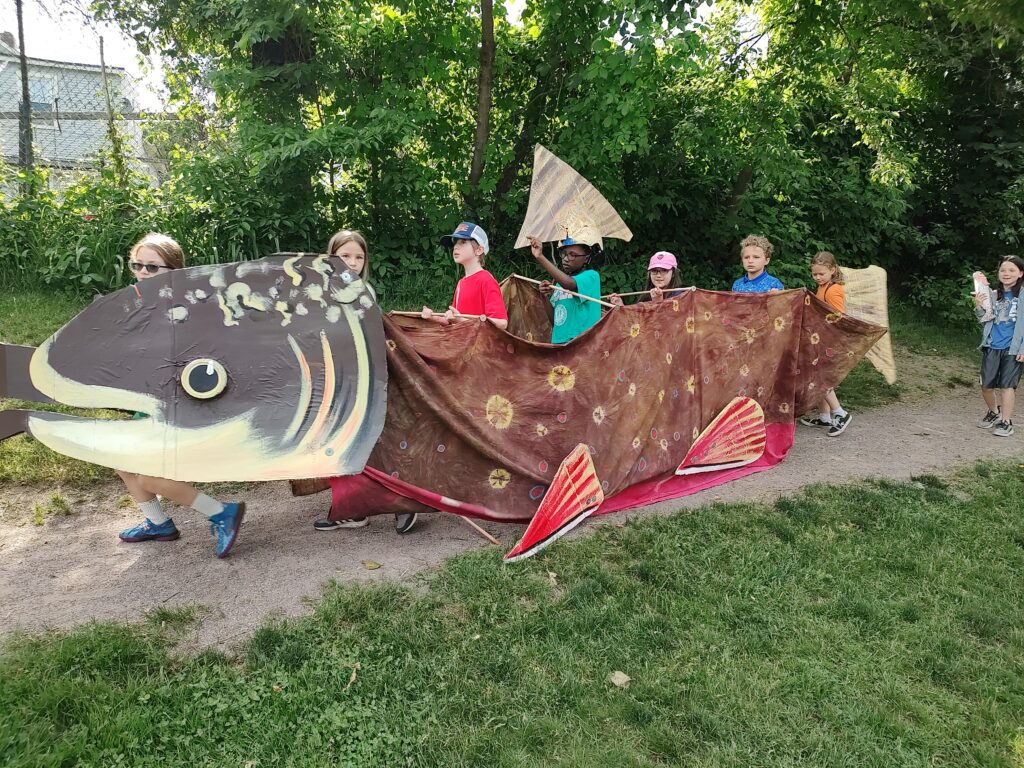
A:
(755, 253)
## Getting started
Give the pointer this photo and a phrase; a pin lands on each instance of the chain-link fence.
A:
(78, 113)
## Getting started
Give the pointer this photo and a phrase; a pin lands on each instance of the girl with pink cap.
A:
(663, 280)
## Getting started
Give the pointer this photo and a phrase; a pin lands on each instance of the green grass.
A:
(29, 318)
(874, 625)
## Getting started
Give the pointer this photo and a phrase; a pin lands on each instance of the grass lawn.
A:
(879, 624)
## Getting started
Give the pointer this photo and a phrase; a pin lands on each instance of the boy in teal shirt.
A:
(571, 315)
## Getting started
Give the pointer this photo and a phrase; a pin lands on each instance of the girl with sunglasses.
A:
(153, 255)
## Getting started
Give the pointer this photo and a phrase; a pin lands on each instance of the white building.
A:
(70, 120)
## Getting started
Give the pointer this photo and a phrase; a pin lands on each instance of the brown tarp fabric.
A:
(484, 417)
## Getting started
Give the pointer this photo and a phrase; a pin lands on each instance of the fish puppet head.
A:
(261, 370)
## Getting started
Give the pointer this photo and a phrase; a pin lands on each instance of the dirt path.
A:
(74, 569)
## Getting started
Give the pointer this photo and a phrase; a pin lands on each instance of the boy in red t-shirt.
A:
(477, 294)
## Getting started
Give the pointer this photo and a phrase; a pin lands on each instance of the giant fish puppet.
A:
(275, 369)
(261, 370)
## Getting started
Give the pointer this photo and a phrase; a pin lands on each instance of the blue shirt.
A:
(760, 284)
(1005, 311)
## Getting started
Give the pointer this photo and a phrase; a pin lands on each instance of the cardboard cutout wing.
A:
(867, 298)
(564, 204)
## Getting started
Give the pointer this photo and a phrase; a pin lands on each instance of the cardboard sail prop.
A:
(260, 370)
(479, 420)
(575, 492)
(867, 298)
(564, 204)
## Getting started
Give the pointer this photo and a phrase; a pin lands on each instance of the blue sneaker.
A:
(224, 527)
(150, 531)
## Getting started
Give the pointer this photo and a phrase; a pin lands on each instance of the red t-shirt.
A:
(479, 294)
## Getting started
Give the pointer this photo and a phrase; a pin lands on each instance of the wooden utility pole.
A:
(25, 123)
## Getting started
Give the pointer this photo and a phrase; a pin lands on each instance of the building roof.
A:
(9, 52)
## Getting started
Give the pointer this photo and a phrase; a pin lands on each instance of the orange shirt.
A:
(834, 295)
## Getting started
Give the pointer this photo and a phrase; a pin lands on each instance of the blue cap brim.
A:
(448, 241)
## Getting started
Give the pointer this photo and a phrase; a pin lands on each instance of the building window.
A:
(40, 95)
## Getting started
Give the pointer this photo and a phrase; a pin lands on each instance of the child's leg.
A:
(175, 490)
(833, 402)
(989, 396)
(1009, 398)
(148, 503)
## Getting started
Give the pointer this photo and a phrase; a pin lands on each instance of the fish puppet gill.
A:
(260, 370)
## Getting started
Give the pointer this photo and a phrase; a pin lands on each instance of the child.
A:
(571, 315)
(755, 253)
(1002, 346)
(153, 255)
(663, 280)
(349, 245)
(478, 293)
(829, 277)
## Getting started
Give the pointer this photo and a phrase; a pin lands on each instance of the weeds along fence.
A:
(75, 159)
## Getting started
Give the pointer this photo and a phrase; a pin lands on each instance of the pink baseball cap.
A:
(662, 260)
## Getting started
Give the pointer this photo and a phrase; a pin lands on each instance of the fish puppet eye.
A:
(204, 378)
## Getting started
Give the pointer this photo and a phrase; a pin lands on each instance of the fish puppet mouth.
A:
(264, 370)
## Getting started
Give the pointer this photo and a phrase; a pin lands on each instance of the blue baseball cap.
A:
(467, 230)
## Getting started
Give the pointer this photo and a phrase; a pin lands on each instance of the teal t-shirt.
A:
(573, 316)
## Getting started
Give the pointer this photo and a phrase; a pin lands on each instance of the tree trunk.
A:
(738, 190)
(483, 91)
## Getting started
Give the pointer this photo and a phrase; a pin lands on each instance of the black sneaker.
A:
(990, 420)
(815, 421)
(839, 425)
(323, 524)
(404, 521)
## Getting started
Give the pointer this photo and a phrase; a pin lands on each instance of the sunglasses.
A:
(138, 266)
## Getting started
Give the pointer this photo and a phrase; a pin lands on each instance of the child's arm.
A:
(494, 304)
(557, 275)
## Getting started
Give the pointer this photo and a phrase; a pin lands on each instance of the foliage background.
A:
(889, 132)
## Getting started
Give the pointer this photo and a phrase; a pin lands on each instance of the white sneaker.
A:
(1003, 429)
(990, 420)
(323, 524)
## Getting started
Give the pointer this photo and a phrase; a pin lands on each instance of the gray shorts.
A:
(999, 369)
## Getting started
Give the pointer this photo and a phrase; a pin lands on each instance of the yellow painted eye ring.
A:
(212, 368)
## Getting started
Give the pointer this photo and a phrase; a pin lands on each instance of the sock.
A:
(206, 505)
(825, 416)
(154, 511)
(839, 412)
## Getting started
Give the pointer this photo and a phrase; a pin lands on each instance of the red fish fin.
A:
(734, 438)
(574, 493)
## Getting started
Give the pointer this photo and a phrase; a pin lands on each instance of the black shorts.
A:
(999, 369)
